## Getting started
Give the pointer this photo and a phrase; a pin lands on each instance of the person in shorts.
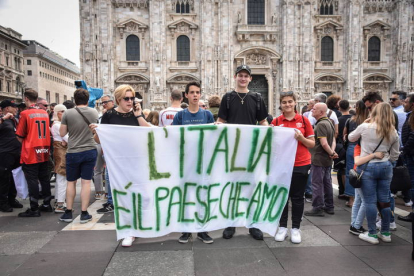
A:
(81, 155)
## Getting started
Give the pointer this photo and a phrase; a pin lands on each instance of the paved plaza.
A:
(44, 246)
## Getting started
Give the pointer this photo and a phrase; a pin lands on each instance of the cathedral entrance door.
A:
(259, 84)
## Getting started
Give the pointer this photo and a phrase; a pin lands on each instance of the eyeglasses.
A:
(105, 102)
(127, 99)
(393, 99)
(45, 105)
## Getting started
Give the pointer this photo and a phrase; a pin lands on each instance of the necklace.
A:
(242, 99)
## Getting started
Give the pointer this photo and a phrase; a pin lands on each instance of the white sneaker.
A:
(281, 234)
(127, 242)
(295, 236)
(408, 204)
(385, 237)
(369, 238)
(393, 226)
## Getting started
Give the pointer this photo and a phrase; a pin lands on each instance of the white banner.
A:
(197, 178)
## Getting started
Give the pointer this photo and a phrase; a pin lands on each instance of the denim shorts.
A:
(80, 165)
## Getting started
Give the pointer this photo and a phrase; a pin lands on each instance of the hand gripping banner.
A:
(197, 178)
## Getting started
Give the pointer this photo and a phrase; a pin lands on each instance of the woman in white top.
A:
(59, 152)
(377, 134)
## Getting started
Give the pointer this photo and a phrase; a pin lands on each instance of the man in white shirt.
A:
(321, 98)
(167, 115)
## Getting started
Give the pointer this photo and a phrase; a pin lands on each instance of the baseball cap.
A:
(6, 103)
(244, 67)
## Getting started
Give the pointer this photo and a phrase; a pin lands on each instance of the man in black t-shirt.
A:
(242, 107)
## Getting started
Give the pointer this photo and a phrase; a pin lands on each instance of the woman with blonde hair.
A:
(377, 134)
(127, 113)
(60, 146)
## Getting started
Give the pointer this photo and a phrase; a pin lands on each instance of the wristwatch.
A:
(139, 116)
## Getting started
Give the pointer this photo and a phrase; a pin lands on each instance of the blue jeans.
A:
(376, 181)
(308, 188)
(358, 210)
(349, 190)
(108, 187)
(410, 165)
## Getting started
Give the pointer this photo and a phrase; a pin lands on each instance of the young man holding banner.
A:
(242, 106)
(193, 115)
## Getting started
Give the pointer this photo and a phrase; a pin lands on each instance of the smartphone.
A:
(136, 100)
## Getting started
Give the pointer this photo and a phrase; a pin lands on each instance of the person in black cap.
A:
(242, 106)
(9, 156)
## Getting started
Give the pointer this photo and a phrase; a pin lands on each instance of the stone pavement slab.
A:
(65, 264)
(341, 234)
(242, 239)
(255, 261)
(15, 243)
(8, 264)
(164, 243)
(154, 263)
(311, 236)
(340, 217)
(387, 260)
(82, 241)
(321, 261)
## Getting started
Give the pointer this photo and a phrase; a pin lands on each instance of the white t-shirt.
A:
(167, 116)
(56, 134)
(333, 117)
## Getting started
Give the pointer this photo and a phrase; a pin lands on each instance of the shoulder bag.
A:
(354, 177)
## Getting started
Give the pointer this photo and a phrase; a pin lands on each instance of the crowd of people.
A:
(370, 137)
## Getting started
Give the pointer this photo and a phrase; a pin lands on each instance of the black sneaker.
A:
(315, 213)
(107, 208)
(66, 217)
(184, 238)
(205, 237)
(329, 211)
(29, 213)
(355, 231)
(15, 204)
(45, 208)
(408, 218)
(257, 234)
(5, 207)
(228, 233)
(85, 218)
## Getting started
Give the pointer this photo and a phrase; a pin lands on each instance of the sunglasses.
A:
(203, 105)
(45, 105)
(105, 102)
(127, 99)
(288, 93)
(393, 99)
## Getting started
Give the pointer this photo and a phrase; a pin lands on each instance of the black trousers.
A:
(340, 173)
(8, 162)
(34, 174)
(296, 195)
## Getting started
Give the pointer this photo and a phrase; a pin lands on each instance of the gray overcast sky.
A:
(53, 23)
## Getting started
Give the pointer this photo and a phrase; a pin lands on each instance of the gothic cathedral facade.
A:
(343, 47)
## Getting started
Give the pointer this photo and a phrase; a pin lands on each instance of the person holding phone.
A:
(127, 113)
(305, 136)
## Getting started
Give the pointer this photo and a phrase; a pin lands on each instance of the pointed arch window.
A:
(182, 7)
(327, 49)
(256, 12)
(326, 7)
(183, 48)
(132, 48)
(374, 49)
